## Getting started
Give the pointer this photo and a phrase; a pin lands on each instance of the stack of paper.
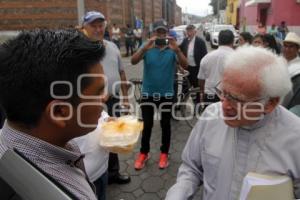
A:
(266, 187)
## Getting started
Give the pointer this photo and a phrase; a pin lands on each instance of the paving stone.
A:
(138, 192)
(133, 185)
(162, 193)
(125, 196)
(168, 183)
(153, 184)
(124, 157)
(155, 171)
(166, 176)
(112, 191)
(149, 196)
(145, 175)
(176, 157)
(173, 169)
(179, 147)
(182, 137)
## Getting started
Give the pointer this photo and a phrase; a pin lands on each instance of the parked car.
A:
(214, 34)
(206, 27)
(208, 32)
(180, 33)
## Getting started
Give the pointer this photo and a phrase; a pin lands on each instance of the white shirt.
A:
(112, 66)
(212, 67)
(219, 157)
(115, 33)
(294, 67)
(137, 33)
(190, 53)
(96, 157)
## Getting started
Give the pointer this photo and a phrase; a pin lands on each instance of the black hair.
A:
(258, 36)
(247, 37)
(271, 43)
(226, 37)
(33, 60)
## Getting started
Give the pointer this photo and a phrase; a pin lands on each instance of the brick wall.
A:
(30, 14)
(21, 14)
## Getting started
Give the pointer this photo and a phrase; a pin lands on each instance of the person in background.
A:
(194, 49)
(40, 120)
(116, 35)
(138, 39)
(94, 27)
(212, 67)
(107, 33)
(129, 40)
(273, 31)
(245, 38)
(258, 40)
(291, 46)
(248, 131)
(270, 43)
(282, 30)
(261, 29)
(160, 55)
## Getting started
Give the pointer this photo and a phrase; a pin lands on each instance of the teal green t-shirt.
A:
(159, 72)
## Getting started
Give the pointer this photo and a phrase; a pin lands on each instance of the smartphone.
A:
(161, 41)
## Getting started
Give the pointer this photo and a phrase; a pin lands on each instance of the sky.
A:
(196, 7)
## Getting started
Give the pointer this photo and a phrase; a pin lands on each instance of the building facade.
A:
(269, 12)
(22, 14)
(232, 12)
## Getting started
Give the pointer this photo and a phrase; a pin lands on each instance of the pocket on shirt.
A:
(210, 164)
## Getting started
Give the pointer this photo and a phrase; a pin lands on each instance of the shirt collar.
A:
(262, 122)
(33, 147)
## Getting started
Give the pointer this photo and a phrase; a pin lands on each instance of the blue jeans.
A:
(101, 184)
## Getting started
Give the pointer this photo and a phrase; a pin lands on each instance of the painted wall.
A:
(278, 10)
(231, 11)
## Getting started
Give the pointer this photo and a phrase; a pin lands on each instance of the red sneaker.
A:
(140, 161)
(163, 161)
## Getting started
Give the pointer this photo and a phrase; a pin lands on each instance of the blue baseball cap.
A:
(91, 16)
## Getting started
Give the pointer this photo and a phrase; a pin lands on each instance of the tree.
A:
(214, 4)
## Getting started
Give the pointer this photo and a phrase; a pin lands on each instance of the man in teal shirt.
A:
(160, 56)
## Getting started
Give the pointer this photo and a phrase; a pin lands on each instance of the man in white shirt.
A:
(246, 132)
(116, 35)
(212, 66)
(138, 40)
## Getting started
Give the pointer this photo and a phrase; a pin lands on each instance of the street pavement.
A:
(150, 183)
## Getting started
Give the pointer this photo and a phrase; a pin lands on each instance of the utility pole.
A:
(218, 11)
(80, 10)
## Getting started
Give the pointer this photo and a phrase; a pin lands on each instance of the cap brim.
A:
(161, 27)
(94, 18)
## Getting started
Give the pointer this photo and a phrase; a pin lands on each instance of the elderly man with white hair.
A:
(248, 131)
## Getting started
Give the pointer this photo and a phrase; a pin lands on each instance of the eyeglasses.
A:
(235, 101)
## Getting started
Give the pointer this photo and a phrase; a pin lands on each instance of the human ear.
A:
(59, 112)
(271, 104)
